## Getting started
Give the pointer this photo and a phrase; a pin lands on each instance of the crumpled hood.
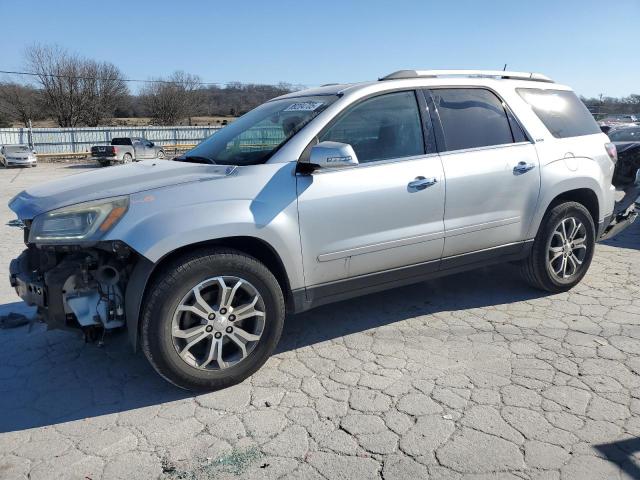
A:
(111, 182)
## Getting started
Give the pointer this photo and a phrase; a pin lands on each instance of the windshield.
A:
(626, 135)
(257, 135)
(16, 148)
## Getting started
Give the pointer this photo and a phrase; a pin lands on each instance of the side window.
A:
(472, 118)
(561, 111)
(383, 127)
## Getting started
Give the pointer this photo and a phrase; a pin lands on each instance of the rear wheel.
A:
(126, 158)
(160, 155)
(212, 318)
(562, 250)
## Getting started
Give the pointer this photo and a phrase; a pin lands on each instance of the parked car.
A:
(126, 150)
(314, 197)
(18, 155)
(627, 142)
(619, 119)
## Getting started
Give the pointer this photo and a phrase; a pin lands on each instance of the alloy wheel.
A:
(218, 323)
(568, 248)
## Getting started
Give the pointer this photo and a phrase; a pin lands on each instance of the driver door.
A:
(373, 223)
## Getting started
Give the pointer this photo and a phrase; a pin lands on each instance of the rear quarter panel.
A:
(574, 163)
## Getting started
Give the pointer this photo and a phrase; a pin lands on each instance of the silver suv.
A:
(315, 197)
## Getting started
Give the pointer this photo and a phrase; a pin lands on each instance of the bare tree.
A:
(21, 102)
(167, 101)
(76, 90)
(104, 91)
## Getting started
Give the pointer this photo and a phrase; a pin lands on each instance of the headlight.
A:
(85, 221)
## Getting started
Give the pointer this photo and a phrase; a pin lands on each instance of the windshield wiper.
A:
(195, 159)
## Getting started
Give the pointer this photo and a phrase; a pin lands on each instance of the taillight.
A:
(115, 150)
(612, 151)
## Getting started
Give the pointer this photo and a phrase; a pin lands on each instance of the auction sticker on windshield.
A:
(303, 107)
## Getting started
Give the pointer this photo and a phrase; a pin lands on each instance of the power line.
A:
(132, 80)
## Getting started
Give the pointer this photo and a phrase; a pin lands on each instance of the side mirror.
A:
(333, 155)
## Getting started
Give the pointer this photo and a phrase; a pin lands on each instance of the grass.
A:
(235, 463)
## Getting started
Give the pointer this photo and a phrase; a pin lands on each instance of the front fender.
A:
(165, 231)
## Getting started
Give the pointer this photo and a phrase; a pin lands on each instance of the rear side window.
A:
(383, 127)
(561, 111)
(472, 118)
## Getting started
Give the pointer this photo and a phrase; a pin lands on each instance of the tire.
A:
(557, 263)
(174, 287)
(161, 155)
(127, 158)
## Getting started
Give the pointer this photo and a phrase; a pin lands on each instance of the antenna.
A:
(504, 69)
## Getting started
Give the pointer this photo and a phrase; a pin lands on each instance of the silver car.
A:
(315, 197)
(18, 155)
(126, 150)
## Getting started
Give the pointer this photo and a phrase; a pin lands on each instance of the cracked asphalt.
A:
(474, 376)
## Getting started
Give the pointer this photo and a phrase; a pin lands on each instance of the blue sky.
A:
(584, 43)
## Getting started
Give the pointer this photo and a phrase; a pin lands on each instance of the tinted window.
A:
(382, 127)
(471, 118)
(561, 111)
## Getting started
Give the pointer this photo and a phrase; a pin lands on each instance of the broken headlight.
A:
(87, 221)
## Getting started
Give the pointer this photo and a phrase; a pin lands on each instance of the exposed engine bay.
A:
(75, 287)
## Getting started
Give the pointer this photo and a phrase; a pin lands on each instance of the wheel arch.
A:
(587, 195)
(584, 196)
(145, 270)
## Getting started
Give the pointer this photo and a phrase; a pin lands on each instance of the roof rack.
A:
(537, 77)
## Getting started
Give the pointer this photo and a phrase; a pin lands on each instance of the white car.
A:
(20, 155)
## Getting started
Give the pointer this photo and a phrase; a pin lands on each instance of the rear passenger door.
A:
(491, 169)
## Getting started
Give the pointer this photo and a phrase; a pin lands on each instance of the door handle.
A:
(523, 167)
(420, 183)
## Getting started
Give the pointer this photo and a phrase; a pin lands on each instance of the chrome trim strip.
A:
(481, 226)
(376, 247)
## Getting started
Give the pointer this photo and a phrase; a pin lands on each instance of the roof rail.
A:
(537, 77)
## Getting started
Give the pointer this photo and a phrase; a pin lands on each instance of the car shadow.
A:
(76, 166)
(622, 453)
(51, 378)
(497, 285)
(628, 238)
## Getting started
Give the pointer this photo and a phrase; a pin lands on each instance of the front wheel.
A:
(562, 250)
(211, 319)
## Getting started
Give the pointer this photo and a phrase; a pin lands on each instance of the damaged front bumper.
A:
(75, 288)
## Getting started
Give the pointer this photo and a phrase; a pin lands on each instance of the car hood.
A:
(111, 182)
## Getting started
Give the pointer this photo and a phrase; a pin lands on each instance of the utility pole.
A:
(30, 134)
